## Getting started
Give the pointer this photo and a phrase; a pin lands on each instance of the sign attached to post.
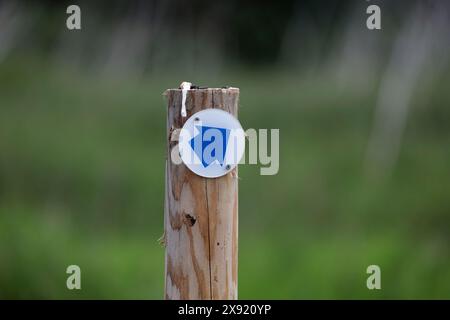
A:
(211, 143)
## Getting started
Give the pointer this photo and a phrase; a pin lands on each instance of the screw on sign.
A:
(201, 199)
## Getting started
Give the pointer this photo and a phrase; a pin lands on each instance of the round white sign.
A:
(211, 143)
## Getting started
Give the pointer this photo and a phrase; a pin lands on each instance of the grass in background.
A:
(81, 182)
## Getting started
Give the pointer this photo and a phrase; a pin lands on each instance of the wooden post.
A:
(201, 214)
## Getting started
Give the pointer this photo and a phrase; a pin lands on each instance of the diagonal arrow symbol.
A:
(210, 144)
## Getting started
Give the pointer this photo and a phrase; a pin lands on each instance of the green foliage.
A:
(81, 182)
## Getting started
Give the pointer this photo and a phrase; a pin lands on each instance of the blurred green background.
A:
(364, 144)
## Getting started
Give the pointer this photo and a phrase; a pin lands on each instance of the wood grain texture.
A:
(201, 214)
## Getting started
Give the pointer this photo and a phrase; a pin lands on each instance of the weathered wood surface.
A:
(201, 214)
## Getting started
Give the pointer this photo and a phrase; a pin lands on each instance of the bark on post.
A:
(201, 214)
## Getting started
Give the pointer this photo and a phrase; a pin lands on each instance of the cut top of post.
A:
(202, 89)
(186, 102)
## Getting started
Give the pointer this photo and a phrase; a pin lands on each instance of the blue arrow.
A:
(209, 140)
